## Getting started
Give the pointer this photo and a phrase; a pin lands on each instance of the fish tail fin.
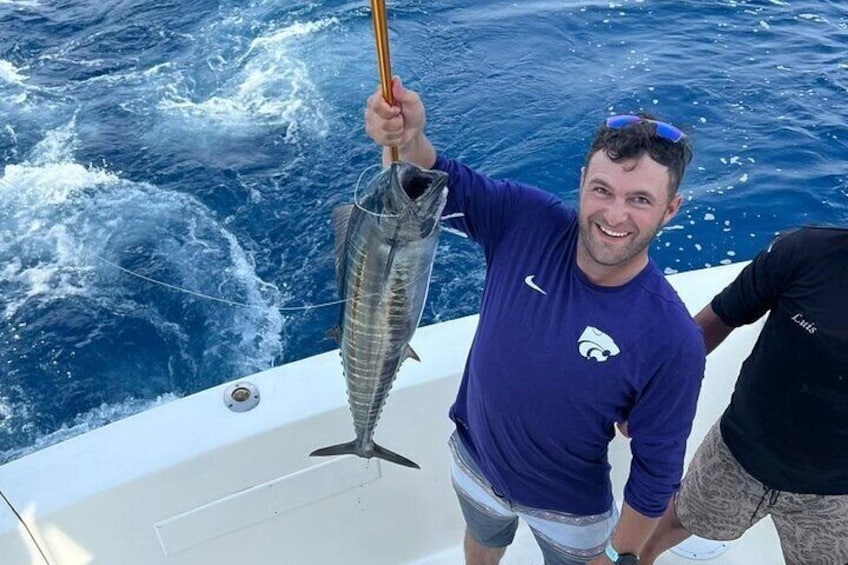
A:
(384, 453)
(353, 448)
(349, 448)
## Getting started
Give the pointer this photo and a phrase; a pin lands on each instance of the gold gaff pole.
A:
(381, 35)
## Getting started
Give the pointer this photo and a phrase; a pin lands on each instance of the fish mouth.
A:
(405, 192)
(417, 186)
(417, 182)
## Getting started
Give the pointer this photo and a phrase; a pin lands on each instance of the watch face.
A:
(627, 559)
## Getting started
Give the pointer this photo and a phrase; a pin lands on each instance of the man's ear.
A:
(672, 208)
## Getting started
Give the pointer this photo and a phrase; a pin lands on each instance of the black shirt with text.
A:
(787, 422)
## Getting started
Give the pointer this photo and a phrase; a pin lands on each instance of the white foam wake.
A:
(269, 84)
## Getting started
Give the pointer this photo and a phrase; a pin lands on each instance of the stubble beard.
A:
(613, 256)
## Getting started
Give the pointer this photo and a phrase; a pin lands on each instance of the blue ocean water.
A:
(204, 144)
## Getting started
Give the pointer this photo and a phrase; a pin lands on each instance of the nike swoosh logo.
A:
(528, 280)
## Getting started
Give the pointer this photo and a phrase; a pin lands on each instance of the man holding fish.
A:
(578, 330)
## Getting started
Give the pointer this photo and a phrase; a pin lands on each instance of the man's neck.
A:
(610, 275)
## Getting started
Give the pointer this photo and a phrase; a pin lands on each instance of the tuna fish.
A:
(385, 247)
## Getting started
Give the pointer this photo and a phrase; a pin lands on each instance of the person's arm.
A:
(418, 151)
(715, 330)
(400, 125)
(631, 533)
(660, 422)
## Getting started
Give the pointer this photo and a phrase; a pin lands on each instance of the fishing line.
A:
(24, 524)
(356, 197)
(236, 303)
(245, 305)
(215, 298)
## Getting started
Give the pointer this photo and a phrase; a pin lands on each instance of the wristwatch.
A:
(621, 558)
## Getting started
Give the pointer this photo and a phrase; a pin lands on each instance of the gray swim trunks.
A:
(565, 539)
(719, 500)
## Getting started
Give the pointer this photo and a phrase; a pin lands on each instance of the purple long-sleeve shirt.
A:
(557, 360)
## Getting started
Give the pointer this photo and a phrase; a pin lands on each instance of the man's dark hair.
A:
(635, 139)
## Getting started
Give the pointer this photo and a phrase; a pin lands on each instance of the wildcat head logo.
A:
(595, 344)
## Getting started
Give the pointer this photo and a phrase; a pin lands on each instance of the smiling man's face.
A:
(622, 207)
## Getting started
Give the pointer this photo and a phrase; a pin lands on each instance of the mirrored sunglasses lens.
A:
(616, 122)
(669, 132)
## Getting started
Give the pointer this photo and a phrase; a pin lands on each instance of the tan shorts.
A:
(719, 500)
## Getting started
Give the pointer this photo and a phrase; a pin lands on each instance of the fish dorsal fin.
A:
(409, 353)
(341, 222)
(335, 333)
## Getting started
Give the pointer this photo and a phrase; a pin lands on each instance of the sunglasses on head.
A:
(663, 129)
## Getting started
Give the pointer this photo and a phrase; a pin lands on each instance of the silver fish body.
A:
(385, 248)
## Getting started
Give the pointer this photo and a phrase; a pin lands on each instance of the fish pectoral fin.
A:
(334, 333)
(409, 353)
